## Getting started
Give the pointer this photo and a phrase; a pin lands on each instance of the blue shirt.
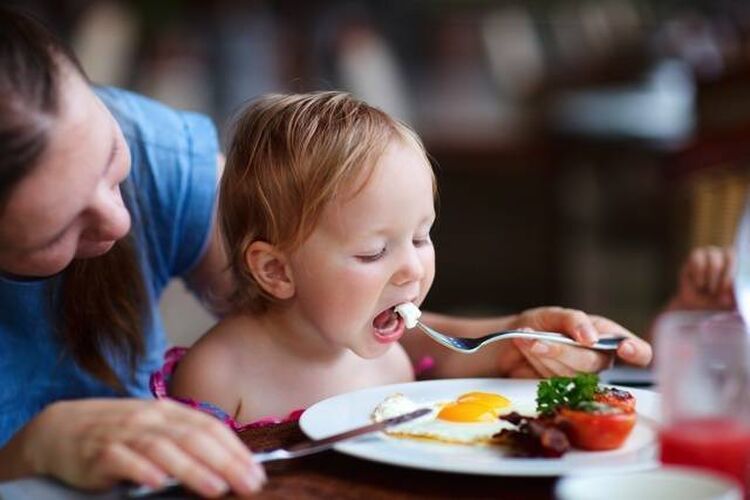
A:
(172, 186)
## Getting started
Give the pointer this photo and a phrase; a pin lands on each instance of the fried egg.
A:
(471, 418)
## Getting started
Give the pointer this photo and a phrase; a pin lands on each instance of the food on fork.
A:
(410, 313)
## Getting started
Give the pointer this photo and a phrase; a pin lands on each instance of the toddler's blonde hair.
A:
(289, 156)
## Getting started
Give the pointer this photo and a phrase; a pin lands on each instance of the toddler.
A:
(326, 206)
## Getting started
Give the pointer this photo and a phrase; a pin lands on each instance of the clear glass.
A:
(703, 372)
(742, 271)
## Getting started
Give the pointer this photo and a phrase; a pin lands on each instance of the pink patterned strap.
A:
(159, 383)
(422, 368)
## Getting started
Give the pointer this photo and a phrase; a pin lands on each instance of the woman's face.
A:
(69, 206)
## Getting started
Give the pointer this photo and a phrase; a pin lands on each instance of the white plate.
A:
(665, 483)
(353, 409)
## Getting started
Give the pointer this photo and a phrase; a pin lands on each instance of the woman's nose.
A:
(410, 269)
(110, 218)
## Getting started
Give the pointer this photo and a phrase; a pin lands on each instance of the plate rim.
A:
(356, 450)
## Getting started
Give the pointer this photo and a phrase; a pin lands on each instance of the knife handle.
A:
(298, 450)
(260, 457)
(277, 454)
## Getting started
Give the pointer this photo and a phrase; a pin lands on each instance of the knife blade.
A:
(298, 450)
(314, 446)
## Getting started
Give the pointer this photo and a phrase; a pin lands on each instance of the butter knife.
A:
(295, 451)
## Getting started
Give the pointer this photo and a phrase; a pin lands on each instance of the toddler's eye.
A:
(372, 257)
(419, 242)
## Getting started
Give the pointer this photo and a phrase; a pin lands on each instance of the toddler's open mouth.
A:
(388, 325)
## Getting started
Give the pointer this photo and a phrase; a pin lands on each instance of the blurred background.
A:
(582, 146)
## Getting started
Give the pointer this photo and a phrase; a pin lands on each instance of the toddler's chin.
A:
(372, 351)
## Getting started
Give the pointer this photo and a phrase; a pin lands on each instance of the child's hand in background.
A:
(705, 280)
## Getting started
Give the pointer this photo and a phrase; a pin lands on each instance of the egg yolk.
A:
(489, 399)
(466, 412)
(474, 407)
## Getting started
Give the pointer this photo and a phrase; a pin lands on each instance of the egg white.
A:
(432, 428)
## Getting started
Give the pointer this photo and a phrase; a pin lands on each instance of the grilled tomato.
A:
(615, 397)
(596, 426)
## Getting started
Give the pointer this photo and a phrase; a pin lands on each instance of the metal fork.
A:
(468, 345)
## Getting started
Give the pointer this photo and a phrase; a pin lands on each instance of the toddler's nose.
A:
(410, 270)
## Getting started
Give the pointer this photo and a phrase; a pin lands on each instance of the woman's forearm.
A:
(15, 461)
(94, 443)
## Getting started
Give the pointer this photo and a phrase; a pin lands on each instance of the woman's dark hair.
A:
(100, 304)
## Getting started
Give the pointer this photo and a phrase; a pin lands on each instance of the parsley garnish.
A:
(572, 392)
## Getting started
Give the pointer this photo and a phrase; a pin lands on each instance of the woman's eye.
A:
(372, 257)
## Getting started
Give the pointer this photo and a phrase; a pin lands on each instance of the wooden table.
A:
(333, 475)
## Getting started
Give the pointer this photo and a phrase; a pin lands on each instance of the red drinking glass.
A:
(703, 372)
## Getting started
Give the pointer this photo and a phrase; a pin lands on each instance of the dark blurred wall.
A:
(581, 147)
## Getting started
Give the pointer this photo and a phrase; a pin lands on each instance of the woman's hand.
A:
(93, 444)
(534, 358)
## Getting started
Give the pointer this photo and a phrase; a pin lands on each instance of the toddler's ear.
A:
(270, 268)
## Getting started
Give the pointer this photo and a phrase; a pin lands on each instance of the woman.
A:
(79, 317)
(105, 196)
